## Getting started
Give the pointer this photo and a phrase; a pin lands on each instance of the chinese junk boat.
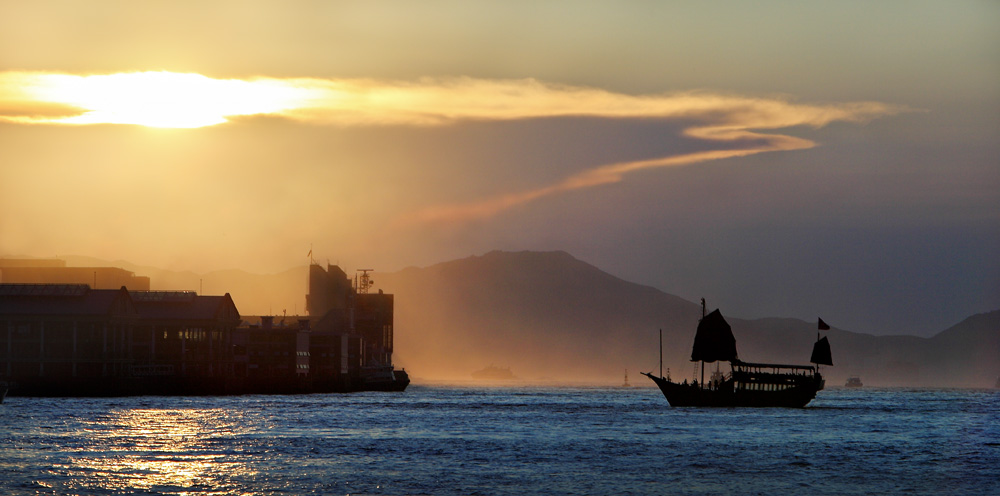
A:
(748, 384)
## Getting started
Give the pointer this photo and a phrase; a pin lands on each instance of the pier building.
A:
(76, 340)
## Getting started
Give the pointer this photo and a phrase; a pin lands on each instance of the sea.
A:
(468, 439)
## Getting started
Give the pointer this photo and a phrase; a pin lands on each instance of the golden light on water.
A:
(159, 451)
(160, 99)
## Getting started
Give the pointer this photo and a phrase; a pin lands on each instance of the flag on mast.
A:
(822, 326)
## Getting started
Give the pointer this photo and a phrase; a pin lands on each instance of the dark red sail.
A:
(714, 340)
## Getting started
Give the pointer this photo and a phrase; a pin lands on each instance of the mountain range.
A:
(551, 317)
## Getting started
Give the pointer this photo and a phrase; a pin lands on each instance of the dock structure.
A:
(75, 340)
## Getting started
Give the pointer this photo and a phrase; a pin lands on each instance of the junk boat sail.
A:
(748, 384)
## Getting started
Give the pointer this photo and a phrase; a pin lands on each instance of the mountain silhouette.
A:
(548, 315)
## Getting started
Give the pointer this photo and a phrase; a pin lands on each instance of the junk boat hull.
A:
(794, 394)
(748, 384)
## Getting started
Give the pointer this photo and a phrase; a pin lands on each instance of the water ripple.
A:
(466, 440)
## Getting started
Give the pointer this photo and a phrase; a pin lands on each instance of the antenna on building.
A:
(365, 281)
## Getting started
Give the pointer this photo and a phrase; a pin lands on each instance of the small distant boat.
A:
(492, 373)
(748, 384)
(853, 382)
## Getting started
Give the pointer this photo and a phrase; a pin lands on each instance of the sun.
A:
(164, 99)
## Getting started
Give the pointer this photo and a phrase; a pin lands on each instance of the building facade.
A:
(74, 340)
(69, 340)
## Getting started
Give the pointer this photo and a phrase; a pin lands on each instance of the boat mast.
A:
(661, 354)
(816, 364)
(703, 362)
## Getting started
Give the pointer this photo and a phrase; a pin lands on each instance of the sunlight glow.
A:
(161, 99)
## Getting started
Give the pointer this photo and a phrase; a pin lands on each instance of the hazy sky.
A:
(801, 159)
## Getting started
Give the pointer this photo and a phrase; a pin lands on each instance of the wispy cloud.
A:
(166, 99)
(104, 99)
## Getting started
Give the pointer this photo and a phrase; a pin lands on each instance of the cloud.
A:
(731, 121)
(360, 102)
(166, 99)
(443, 101)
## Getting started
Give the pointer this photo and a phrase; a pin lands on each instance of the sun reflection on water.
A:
(174, 451)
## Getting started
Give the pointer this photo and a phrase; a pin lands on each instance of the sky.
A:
(796, 159)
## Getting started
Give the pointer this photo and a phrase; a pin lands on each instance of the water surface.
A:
(478, 440)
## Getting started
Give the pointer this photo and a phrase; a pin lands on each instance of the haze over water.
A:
(502, 441)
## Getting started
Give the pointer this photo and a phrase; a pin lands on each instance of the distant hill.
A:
(967, 353)
(549, 316)
(546, 315)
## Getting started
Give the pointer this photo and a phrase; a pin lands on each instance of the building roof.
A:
(164, 296)
(184, 305)
(32, 300)
(63, 300)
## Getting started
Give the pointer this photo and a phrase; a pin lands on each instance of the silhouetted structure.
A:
(748, 384)
(353, 329)
(73, 340)
(329, 290)
(180, 333)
